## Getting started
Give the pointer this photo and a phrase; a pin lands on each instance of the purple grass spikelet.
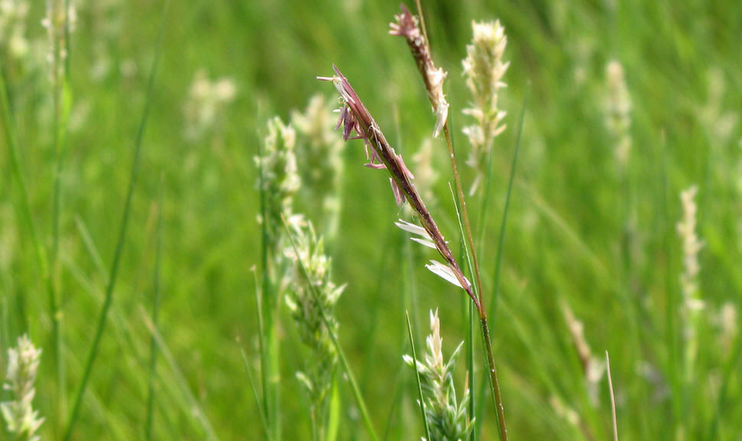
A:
(406, 25)
(355, 118)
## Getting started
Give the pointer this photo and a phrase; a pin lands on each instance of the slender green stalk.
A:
(613, 398)
(263, 419)
(417, 376)
(60, 103)
(121, 240)
(262, 293)
(155, 313)
(506, 209)
(493, 380)
(6, 119)
(673, 361)
(503, 223)
(344, 361)
(471, 252)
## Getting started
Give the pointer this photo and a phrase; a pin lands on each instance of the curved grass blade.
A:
(122, 237)
(263, 419)
(501, 238)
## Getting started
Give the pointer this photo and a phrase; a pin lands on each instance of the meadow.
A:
(154, 238)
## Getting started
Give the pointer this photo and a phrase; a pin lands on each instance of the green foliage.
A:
(585, 229)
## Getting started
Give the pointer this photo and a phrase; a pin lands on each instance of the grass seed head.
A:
(23, 364)
(447, 417)
(484, 69)
(406, 25)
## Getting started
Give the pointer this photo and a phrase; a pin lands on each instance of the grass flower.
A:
(13, 14)
(23, 364)
(692, 303)
(447, 417)
(484, 69)
(618, 112)
(319, 150)
(593, 367)
(358, 123)
(691, 247)
(206, 102)
(307, 307)
(60, 19)
(280, 180)
(406, 26)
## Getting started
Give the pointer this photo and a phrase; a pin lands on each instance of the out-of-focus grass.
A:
(566, 229)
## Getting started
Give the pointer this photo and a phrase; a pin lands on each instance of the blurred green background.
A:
(581, 231)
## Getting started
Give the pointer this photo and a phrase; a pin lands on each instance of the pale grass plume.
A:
(692, 245)
(207, 101)
(280, 178)
(58, 16)
(484, 69)
(692, 304)
(727, 323)
(23, 363)
(719, 123)
(406, 25)
(593, 367)
(13, 16)
(618, 112)
(448, 418)
(311, 270)
(319, 149)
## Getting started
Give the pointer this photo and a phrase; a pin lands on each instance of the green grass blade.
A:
(61, 99)
(417, 377)
(263, 419)
(6, 119)
(732, 365)
(192, 404)
(501, 238)
(343, 360)
(503, 224)
(155, 312)
(121, 239)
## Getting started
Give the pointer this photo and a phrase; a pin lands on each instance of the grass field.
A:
(132, 251)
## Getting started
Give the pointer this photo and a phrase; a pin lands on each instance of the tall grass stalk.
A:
(406, 26)
(263, 420)
(6, 119)
(92, 355)
(503, 223)
(59, 32)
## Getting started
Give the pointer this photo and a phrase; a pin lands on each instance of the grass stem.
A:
(92, 355)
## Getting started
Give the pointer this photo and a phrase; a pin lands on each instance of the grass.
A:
(578, 231)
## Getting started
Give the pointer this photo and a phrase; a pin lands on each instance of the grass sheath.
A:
(108, 301)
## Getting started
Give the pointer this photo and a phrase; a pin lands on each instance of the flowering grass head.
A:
(447, 417)
(358, 123)
(484, 69)
(406, 26)
(23, 364)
